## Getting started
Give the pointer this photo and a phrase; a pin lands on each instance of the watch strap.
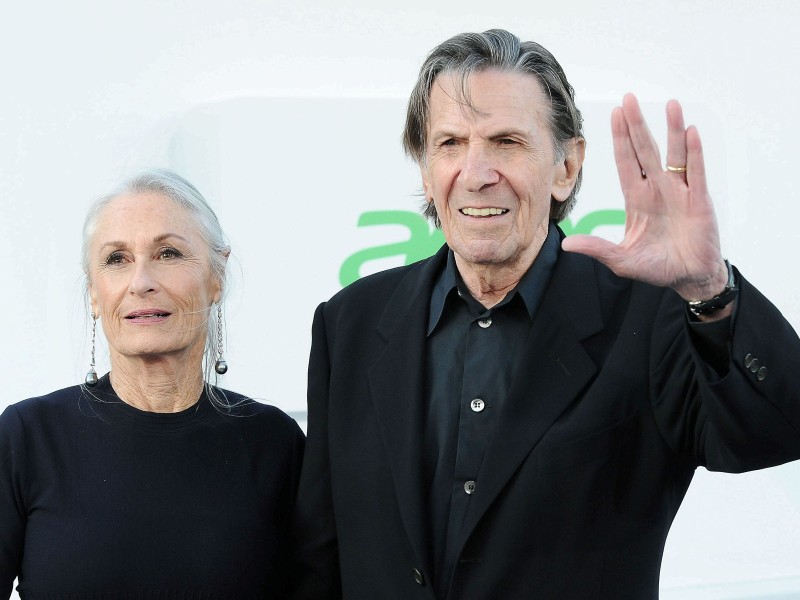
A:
(718, 302)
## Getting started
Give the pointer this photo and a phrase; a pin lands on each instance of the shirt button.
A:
(761, 375)
(418, 576)
(754, 365)
(469, 487)
(485, 322)
(477, 405)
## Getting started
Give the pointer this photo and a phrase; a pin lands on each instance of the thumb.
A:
(604, 251)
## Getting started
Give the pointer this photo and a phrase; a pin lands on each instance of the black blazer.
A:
(612, 408)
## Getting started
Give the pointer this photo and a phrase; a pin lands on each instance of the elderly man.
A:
(520, 415)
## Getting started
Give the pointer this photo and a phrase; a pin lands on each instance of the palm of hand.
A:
(671, 235)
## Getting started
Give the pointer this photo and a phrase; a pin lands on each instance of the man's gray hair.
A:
(175, 188)
(498, 49)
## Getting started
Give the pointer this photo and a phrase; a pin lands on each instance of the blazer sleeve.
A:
(316, 568)
(12, 507)
(743, 416)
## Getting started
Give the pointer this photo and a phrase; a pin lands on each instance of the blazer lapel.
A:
(397, 386)
(549, 376)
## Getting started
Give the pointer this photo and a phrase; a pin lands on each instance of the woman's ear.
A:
(217, 292)
(93, 302)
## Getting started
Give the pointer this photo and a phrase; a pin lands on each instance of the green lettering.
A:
(592, 220)
(422, 242)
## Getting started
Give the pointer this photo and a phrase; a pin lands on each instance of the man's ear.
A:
(426, 186)
(566, 172)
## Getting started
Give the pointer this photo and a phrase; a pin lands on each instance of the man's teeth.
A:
(483, 212)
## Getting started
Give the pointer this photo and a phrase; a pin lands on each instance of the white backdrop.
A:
(288, 118)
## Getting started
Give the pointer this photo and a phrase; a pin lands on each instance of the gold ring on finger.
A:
(672, 169)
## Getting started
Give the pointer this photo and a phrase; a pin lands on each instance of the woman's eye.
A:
(169, 253)
(115, 258)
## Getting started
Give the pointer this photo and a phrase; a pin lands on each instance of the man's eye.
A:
(506, 141)
(449, 142)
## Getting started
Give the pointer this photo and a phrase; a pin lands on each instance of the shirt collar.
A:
(530, 288)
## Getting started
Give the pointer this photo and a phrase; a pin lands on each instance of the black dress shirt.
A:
(471, 356)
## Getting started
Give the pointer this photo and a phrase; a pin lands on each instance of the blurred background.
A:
(287, 116)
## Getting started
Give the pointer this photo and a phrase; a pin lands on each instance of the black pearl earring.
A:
(91, 377)
(221, 367)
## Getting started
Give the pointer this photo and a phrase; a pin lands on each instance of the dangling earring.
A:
(221, 367)
(91, 376)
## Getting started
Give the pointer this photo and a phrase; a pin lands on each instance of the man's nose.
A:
(477, 171)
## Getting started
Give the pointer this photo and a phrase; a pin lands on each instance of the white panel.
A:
(288, 116)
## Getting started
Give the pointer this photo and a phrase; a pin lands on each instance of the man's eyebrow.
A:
(446, 130)
(510, 131)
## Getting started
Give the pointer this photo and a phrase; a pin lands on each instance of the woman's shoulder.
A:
(250, 411)
(57, 400)
(50, 412)
(264, 429)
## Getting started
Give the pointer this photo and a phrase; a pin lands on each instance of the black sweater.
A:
(101, 500)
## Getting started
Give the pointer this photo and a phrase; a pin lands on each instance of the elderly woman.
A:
(149, 482)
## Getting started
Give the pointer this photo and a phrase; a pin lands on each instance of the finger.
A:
(628, 167)
(695, 164)
(676, 137)
(603, 250)
(644, 144)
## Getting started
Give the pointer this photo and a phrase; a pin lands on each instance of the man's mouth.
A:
(483, 212)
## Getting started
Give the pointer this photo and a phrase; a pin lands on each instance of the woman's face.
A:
(150, 279)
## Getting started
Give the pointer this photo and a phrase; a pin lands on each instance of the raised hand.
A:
(671, 235)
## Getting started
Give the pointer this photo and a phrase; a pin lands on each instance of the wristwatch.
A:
(718, 302)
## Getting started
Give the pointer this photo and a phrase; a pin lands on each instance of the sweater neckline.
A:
(111, 407)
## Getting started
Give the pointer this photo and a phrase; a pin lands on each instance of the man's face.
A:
(491, 170)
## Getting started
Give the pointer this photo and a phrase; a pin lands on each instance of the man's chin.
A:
(482, 254)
